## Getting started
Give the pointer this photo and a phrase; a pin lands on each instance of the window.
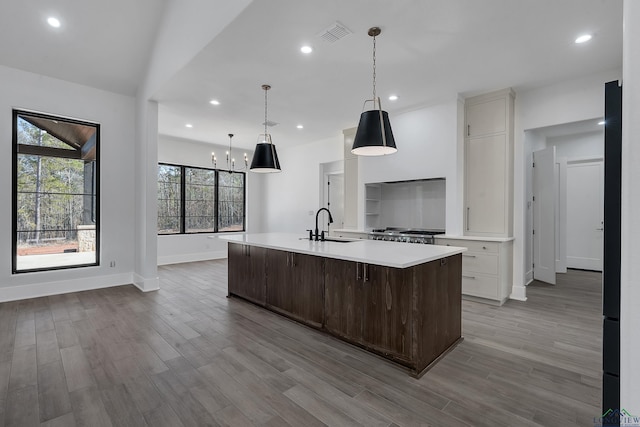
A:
(231, 202)
(199, 200)
(55, 192)
(169, 199)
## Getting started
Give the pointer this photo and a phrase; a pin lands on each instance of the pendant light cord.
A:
(374, 71)
(265, 112)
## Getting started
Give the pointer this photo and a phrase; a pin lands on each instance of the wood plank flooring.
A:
(188, 356)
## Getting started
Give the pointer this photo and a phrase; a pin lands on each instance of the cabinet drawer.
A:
(483, 247)
(472, 245)
(480, 286)
(474, 262)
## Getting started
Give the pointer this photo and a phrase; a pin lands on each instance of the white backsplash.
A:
(413, 204)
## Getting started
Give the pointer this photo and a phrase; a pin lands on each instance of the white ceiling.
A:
(103, 44)
(429, 51)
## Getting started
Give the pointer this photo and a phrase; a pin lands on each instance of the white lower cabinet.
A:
(486, 267)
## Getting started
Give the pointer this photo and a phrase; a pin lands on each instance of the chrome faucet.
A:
(317, 235)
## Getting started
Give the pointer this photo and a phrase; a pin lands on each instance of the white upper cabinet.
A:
(486, 117)
(488, 159)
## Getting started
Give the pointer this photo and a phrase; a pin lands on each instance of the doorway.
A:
(332, 194)
(564, 223)
(335, 199)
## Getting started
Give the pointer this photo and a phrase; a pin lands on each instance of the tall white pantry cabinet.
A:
(487, 266)
(488, 157)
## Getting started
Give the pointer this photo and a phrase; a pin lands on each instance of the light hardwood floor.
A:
(188, 356)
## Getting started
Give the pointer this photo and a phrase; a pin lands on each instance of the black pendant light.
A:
(265, 157)
(374, 136)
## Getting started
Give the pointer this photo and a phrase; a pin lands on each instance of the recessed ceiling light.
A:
(300, 127)
(306, 49)
(54, 22)
(601, 123)
(189, 125)
(214, 102)
(393, 98)
(583, 38)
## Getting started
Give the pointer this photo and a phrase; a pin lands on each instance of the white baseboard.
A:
(146, 285)
(36, 290)
(518, 293)
(200, 256)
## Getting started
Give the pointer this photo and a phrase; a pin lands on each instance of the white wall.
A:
(414, 204)
(292, 197)
(630, 274)
(564, 102)
(429, 146)
(116, 115)
(198, 247)
(579, 147)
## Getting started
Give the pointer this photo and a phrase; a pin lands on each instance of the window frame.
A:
(183, 186)
(16, 113)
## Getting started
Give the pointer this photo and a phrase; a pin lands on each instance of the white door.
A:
(544, 227)
(335, 199)
(585, 201)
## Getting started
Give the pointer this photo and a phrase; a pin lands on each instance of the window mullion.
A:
(216, 202)
(183, 199)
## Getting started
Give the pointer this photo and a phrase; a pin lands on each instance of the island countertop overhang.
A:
(388, 254)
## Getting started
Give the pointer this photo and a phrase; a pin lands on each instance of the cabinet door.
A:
(236, 265)
(295, 286)
(343, 298)
(486, 184)
(387, 310)
(486, 118)
(307, 288)
(246, 266)
(437, 320)
(279, 284)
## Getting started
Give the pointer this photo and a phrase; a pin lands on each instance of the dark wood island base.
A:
(411, 316)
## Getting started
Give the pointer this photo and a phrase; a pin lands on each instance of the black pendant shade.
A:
(265, 158)
(374, 136)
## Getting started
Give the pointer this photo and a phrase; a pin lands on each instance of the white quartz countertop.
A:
(389, 254)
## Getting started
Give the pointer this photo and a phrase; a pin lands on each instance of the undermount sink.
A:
(340, 240)
(333, 239)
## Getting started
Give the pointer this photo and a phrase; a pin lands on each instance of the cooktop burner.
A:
(408, 235)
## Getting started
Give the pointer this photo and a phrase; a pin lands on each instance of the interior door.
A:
(335, 199)
(544, 227)
(585, 202)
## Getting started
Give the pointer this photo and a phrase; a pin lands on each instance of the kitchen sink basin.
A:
(340, 240)
(333, 239)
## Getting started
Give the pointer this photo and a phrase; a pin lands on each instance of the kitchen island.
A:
(401, 301)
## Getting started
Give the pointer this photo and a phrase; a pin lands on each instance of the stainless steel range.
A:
(408, 235)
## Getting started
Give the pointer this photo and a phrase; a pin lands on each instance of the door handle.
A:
(600, 229)
(365, 272)
(357, 271)
(468, 208)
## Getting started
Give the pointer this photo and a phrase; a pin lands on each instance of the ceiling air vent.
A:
(334, 33)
